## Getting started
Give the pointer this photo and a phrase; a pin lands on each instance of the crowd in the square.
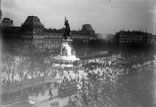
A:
(102, 71)
(20, 68)
(90, 76)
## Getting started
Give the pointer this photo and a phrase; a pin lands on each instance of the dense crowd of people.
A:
(97, 73)
(20, 68)
(90, 76)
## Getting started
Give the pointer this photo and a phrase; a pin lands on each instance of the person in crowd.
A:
(50, 93)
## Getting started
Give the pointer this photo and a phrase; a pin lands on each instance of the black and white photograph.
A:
(77, 53)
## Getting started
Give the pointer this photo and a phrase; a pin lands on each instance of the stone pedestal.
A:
(67, 51)
(67, 55)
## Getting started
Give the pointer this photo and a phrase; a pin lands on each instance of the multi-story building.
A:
(8, 29)
(6, 23)
(86, 33)
(32, 26)
(52, 45)
(133, 38)
(87, 28)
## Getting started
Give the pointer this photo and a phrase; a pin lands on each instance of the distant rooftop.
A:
(32, 21)
(6, 22)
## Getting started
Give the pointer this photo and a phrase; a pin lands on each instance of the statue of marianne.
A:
(67, 29)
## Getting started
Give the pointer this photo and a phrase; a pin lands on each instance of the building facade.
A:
(86, 33)
(31, 26)
(133, 38)
(6, 23)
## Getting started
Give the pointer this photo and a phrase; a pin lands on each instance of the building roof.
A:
(6, 22)
(32, 21)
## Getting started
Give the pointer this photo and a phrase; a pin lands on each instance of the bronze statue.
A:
(67, 29)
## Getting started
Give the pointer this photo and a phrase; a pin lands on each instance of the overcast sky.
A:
(105, 16)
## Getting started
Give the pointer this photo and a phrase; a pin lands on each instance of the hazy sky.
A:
(105, 16)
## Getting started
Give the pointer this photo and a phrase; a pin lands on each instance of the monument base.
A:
(66, 40)
(67, 51)
(67, 55)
